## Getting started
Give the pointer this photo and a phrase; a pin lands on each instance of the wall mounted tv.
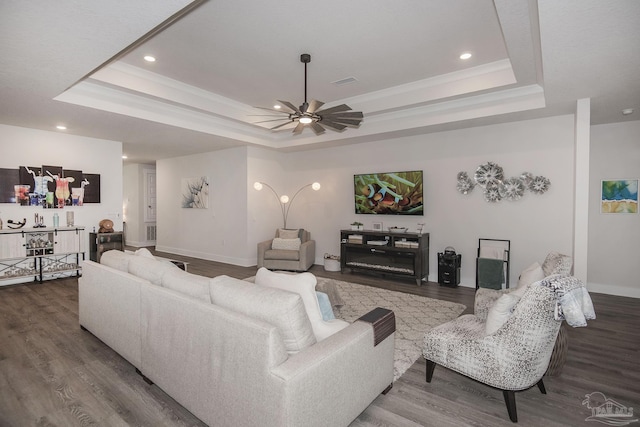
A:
(389, 193)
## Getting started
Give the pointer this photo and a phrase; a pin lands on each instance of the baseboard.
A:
(207, 256)
(141, 244)
(621, 291)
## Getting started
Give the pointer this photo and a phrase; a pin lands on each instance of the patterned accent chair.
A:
(513, 358)
(290, 250)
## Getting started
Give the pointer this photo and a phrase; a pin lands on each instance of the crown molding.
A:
(124, 89)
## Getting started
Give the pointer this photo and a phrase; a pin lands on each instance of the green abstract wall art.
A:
(619, 196)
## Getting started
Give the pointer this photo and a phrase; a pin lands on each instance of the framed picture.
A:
(377, 226)
(619, 196)
(195, 193)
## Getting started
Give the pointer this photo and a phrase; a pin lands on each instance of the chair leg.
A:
(541, 387)
(430, 367)
(510, 400)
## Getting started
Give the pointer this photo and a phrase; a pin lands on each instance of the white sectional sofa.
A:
(235, 353)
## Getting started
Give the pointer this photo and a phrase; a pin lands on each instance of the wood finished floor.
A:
(54, 374)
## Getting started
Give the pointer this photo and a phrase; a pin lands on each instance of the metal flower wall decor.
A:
(496, 187)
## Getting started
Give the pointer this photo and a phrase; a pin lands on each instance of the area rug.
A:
(415, 315)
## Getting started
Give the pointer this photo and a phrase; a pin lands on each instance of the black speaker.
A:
(449, 269)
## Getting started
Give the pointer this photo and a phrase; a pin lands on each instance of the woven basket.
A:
(331, 264)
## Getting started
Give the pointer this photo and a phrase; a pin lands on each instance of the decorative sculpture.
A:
(490, 176)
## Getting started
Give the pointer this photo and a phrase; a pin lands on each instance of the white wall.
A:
(536, 224)
(264, 212)
(218, 233)
(614, 239)
(31, 147)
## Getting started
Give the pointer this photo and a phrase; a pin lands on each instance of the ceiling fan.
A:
(336, 118)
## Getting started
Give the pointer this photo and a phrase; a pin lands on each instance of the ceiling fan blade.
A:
(298, 129)
(337, 108)
(314, 105)
(279, 126)
(349, 122)
(290, 106)
(333, 125)
(317, 128)
(349, 115)
(273, 120)
(271, 109)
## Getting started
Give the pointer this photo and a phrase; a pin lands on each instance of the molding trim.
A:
(242, 262)
(622, 291)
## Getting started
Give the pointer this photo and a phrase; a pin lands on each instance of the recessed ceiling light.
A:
(150, 58)
(61, 127)
(627, 111)
(465, 55)
(124, 156)
(277, 107)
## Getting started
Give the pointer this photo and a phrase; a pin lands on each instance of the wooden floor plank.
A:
(54, 374)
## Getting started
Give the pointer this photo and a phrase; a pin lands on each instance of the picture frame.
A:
(195, 193)
(377, 226)
(619, 196)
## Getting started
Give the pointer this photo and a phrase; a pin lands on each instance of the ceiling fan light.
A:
(305, 120)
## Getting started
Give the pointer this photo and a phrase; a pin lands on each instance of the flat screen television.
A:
(389, 193)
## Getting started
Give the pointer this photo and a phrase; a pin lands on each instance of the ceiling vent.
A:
(345, 81)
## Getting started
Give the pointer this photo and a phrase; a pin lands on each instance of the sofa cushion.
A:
(149, 269)
(284, 310)
(286, 244)
(116, 259)
(187, 283)
(500, 312)
(281, 254)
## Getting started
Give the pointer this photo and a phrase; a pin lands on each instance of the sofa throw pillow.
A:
(303, 284)
(145, 253)
(325, 306)
(286, 233)
(500, 312)
(556, 263)
(531, 274)
(116, 259)
(186, 283)
(149, 269)
(284, 310)
(286, 244)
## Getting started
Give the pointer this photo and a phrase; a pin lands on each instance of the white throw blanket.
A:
(574, 303)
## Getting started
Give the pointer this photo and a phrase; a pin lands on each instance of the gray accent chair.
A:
(288, 260)
(513, 358)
